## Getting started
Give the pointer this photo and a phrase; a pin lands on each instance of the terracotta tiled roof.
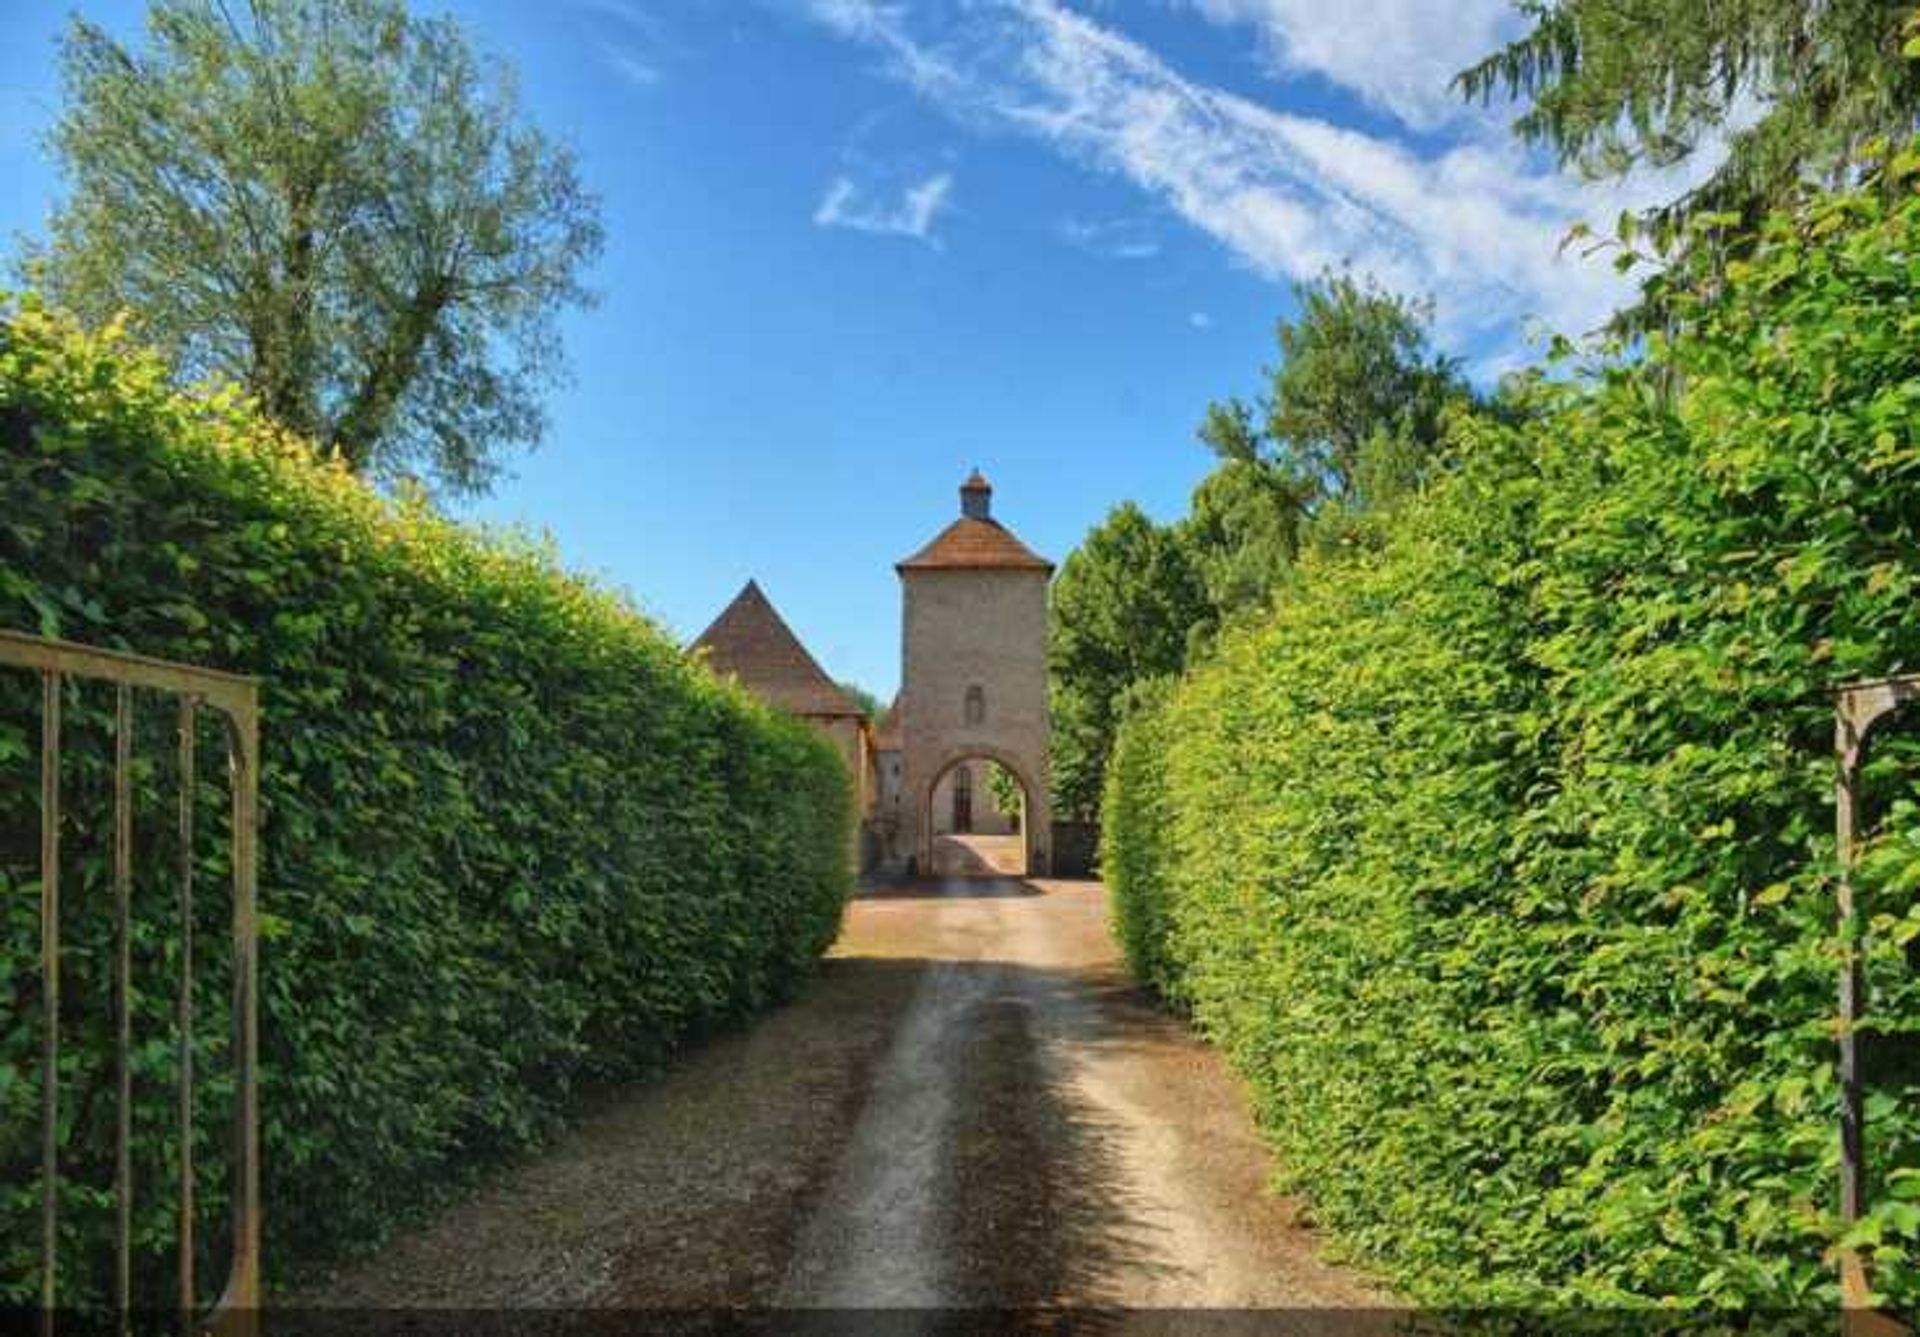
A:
(970, 543)
(751, 642)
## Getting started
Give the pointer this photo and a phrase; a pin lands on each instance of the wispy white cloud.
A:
(632, 68)
(884, 26)
(1399, 55)
(912, 214)
(1200, 320)
(1476, 225)
(634, 41)
(1115, 239)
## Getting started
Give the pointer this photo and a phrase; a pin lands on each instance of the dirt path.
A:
(972, 1107)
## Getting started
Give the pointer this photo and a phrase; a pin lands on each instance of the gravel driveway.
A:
(972, 1107)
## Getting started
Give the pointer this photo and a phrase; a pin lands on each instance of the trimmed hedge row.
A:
(1499, 857)
(514, 841)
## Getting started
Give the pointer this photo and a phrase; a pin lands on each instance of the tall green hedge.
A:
(514, 841)
(1499, 858)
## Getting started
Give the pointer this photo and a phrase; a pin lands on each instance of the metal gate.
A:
(237, 700)
(1858, 707)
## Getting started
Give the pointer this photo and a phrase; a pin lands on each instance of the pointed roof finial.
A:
(976, 541)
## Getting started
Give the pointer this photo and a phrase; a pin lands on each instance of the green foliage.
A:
(1242, 530)
(1008, 799)
(1135, 819)
(334, 205)
(514, 841)
(1349, 426)
(1806, 87)
(1356, 403)
(1499, 857)
(866, 700)
(1124, 605)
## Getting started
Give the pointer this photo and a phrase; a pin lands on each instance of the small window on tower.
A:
(976, 710)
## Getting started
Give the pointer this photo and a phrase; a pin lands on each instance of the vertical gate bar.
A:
(188, 782)
(123, 999)
(1852, 1104)
(244, 754)
(50, 684)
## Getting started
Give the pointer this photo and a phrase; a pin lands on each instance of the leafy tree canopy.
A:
(1124, 605)
(1353, 414)
(864, 699)
(1357, 380)
(336, 205)
(1614, 86)
(1242, 532)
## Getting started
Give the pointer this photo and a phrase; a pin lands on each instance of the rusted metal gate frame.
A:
(1858, 707)
(237, 699)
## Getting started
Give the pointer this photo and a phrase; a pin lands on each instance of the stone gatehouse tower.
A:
(973, 671)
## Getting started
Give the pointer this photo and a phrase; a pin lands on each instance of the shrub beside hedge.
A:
(1499, 858)
(513, 842)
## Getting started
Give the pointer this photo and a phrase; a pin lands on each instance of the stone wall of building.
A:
(891, 840)
(849, 736)
(888, 790)
(974, 645)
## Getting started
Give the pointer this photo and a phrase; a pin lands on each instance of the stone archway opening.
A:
(978, 818)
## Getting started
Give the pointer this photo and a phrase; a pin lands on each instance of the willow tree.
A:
(337, 205)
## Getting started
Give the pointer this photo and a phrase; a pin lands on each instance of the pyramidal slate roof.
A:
(976, 540)
(751, 642)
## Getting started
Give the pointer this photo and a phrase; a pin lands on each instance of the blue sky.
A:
(857, 248)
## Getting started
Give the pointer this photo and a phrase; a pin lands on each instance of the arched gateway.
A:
(973, 698)
(973, 671)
